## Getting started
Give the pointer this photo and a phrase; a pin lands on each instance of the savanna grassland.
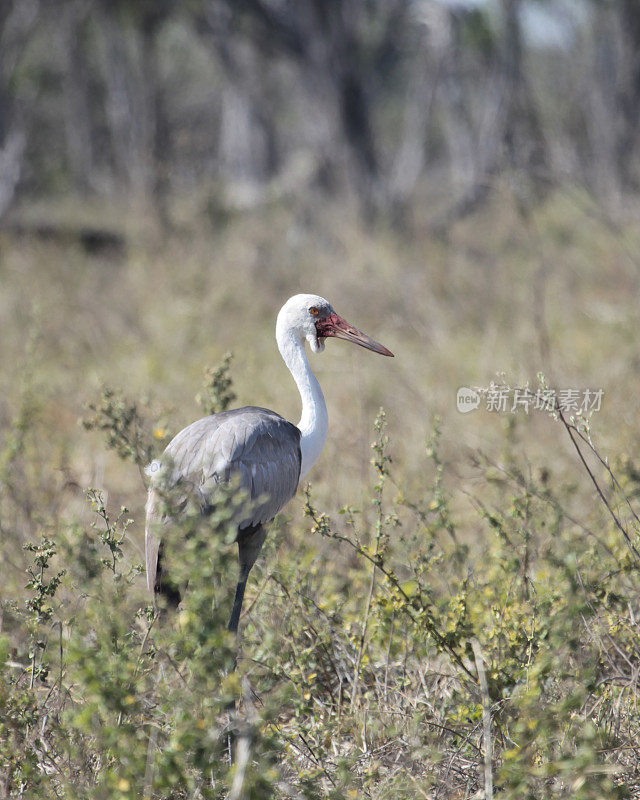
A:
(451, 614)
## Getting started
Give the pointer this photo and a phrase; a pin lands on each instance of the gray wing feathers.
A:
(255, 446)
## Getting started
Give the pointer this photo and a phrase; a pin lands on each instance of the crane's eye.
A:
(314, 311)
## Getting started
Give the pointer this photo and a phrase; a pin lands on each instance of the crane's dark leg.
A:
(237, 606)
(250, 541)
(164, 586)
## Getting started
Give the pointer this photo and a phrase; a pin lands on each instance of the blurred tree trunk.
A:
(126, 103)
(629, 93)
(504, 131)
(353, 93)
(78, 117)
(603, 117)
(135, 103)
(158, 129)
(247, 148)
(408, 164)
(466, 162)
(17, 21)
(522, 135)
(473, 110)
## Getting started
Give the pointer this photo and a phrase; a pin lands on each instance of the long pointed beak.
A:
(341, 329)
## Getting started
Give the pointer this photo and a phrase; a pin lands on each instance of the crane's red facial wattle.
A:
(334, 325)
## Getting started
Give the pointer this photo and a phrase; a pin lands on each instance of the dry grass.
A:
(556, 292)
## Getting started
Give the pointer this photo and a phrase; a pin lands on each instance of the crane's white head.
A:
(311, 317)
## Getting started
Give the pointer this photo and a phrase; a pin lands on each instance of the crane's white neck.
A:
(314, 422)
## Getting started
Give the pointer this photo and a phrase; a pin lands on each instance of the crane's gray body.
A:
(253, 446)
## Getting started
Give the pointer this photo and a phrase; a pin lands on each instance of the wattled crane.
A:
(258, 449)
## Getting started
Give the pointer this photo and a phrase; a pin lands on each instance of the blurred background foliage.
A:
(453, 614)
(412, 107)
